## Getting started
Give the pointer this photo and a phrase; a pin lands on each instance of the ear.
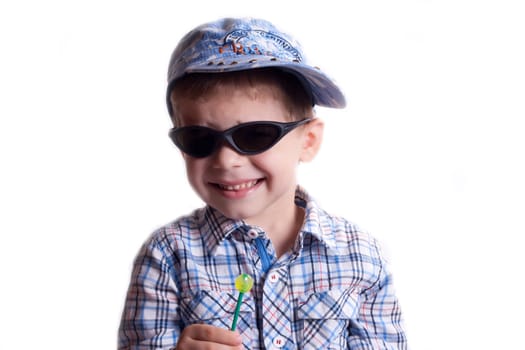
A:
(312, 139)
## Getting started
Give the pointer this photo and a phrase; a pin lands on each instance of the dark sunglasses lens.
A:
(197, 142)
(256, 138)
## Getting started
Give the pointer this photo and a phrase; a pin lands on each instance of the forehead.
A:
(256, 84)
(251, 82)
(223, 108)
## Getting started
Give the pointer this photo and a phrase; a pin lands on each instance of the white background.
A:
(428, 156)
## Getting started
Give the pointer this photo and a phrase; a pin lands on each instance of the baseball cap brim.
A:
(323, 90)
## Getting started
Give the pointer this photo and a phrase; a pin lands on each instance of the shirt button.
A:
(279, 342)
(253, 233)
(273, 277)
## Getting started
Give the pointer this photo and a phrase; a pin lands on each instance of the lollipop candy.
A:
(243, 283)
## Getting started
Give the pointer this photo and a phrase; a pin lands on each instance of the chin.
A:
(236, 214)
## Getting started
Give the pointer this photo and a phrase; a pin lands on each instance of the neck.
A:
(283, 238)
(283, 232)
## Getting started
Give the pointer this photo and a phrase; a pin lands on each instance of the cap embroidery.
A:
(259, 42)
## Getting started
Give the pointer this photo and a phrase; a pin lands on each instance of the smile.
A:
(238, 187)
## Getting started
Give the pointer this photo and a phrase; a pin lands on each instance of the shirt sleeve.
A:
(380, 324)
(150, 319)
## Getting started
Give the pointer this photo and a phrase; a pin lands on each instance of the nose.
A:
(226, 157)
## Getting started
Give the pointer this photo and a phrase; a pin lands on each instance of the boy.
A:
(241, 100)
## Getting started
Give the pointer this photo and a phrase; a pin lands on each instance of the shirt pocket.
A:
(326, 318)
(217, 309)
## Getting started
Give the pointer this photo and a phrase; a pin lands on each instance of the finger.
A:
(207, 333)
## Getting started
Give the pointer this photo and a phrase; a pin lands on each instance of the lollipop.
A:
(243, 283)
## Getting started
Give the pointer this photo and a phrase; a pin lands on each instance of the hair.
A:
(282, 84)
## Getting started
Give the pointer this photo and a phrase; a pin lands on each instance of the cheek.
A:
(287, 152)
(277, 161)
(194, 169)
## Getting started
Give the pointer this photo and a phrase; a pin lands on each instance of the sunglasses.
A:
(246, 138)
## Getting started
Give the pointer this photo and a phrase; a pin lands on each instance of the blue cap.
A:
(235, 44)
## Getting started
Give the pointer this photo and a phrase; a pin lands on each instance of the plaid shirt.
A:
(331, 291)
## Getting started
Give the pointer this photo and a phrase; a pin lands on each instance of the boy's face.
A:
(256, 188)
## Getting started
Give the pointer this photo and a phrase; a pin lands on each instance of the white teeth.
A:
(238, 187)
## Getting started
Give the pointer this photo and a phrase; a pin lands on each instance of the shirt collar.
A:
(317, 222)
(216, 228)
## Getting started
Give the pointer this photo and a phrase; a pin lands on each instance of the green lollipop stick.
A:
(243, 283)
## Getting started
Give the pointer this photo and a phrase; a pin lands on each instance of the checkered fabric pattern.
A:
(331, 291)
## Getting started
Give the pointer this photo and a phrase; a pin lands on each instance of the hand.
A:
(206, 337)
